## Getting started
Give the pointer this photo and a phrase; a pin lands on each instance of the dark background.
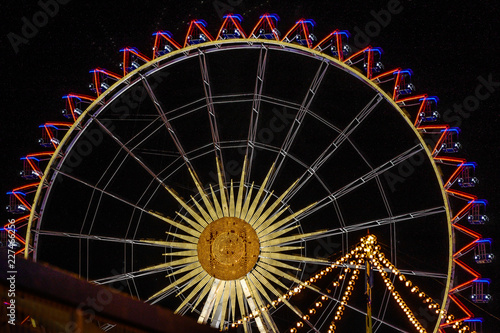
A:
(447, 44)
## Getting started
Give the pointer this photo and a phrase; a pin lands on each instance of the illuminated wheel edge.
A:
(214, 46)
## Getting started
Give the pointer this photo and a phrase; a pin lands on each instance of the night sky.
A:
(451, 48)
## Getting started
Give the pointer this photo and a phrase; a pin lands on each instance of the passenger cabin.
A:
(231, 27)
(482, 251)
(403, 85)
(480, 291)
(467, 176)
(428, 110)
(477, 212)
(17, 203)
(164, 43)
(450, 142)
(266, 27)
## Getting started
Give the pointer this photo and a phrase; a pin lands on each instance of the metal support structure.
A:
(254, 118)
(368, 291)
(170, 129)
(333, 196)
(294, 129)
(334, 145)
(210, 109)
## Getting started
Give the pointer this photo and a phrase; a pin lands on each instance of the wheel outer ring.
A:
(282, 45)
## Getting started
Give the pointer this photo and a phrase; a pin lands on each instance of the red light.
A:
(468, 269)
(412, 98)
(357, 53)
(225, 24)
(25, 187)
(462, 194)
(262, 22)
(467, 230)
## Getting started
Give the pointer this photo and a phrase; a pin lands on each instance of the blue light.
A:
(431, 98)
(202, 22)
(308, 21)
(274, 16)
(342, 32)
(78, 98)
(30, 158)
(133, 49)
(470, 164)
(484, 240)
(16, 192)
(8, 229)
(168, 33)
(482, 201)
(377, 49)
(51, 126)
(474, 320)
(483, 281)
(236, 16)
(98, 70)
(407, 71)
(451, 129)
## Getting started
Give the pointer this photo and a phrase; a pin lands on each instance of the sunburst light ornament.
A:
(232, 251)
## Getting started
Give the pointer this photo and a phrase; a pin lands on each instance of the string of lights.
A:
(350, 266)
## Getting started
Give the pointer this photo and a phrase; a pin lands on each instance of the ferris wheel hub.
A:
(228, 248)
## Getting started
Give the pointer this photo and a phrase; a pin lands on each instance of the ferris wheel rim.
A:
(157, 64)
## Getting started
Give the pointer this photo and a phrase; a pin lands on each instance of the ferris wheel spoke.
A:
(335, 144)
(129, 152)
(151, 132)
(257, 289)
(432, 275)
(192, 274)
(325, 122)
(210, 108)
(98, 238)
(190, 107)
(386, 204)
(280, 102)
(297, 122)
(166, 121)
(215, 288)
(406, 272)
(193, 228)
(295, 258)
(254, 118)
(132, 149)
(393, 240)
(200, 104)
(109, 280)
(334, 196)
(381, 222)
(96, 188)
(130, 140)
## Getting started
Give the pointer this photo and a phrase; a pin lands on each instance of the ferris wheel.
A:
(252, 181)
